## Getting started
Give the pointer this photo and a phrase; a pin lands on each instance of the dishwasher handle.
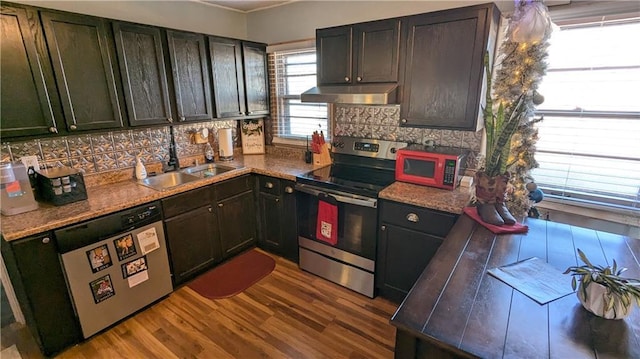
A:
(338, 196)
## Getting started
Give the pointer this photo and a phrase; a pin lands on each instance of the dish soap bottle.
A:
(141, 172)
(208, 153)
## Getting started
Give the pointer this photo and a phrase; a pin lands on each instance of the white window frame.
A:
(280, 50)
(591, 200)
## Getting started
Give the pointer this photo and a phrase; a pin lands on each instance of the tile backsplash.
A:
(383, 122)
(107, 151)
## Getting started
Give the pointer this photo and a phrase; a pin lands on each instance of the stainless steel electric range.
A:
(361, 169)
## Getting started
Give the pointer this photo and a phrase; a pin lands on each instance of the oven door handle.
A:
(339, 196)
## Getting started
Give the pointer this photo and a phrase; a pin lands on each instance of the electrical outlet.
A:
(30, 161)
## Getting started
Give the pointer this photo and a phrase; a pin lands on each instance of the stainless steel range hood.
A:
(375, 94)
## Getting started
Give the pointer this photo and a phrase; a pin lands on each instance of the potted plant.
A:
(492, 178)
(602, 290)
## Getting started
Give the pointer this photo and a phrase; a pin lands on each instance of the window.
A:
(589, 141)
(295, 73)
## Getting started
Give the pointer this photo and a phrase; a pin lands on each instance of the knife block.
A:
(323, 158)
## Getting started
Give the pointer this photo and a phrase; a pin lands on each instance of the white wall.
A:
(181, 15)
(299, 20)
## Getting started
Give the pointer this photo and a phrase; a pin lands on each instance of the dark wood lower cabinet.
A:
(236, 216)
(408, 238)
(194, 242)
(277, 217)
(36, 275)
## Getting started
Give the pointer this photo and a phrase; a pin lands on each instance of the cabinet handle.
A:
(288, 189)
(383, 228)
(268, 185)
(220, 205)
(73, 127)
(277, 200)
(46, 240)
(347, 79)
(181, 118)
(210, 209)
(240, 113)
(53, 129)
(170, 120)
(358, 78)
(249, 112)
(404, 120)
(412, 217)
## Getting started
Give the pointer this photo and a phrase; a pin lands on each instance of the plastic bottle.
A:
(141, 171)
(208, 153)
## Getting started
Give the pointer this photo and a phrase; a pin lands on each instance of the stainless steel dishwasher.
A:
(115, 265)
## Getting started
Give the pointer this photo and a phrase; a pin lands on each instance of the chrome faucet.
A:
(173, 164)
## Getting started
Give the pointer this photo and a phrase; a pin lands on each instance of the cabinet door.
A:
(237, 222)
(190, 75)
(81, 50)
(377, 46)
(444, 68)
(335, 61)
(38, 280)
(29, 103)
(193, 242)
(228, 81)
(143, 73)
(289, 222)
(270, 208)
(402, 256)
(255, 79)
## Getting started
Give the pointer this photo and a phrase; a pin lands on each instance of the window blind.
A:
(589, 141)
(295, 72)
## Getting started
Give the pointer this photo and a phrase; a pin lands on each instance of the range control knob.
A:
(393, 150)
(338, 144)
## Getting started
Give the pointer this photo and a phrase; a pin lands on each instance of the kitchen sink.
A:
(168, 180)
(207, 170)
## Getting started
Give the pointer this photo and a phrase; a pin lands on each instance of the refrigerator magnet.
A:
(125, 247)
(102, 289)
(99, 258)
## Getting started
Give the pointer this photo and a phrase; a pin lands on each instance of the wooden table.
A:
(456, 309)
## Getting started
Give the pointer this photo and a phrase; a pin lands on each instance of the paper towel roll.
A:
(225, 144)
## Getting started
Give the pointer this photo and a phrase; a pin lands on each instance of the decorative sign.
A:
(252, 136)
(148, 240)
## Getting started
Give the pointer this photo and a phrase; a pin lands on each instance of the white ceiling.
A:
(245, 5)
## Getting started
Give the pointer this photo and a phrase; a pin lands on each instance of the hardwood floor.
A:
(288, 314)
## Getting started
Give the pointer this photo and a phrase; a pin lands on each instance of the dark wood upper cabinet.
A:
(144, 77)
(256, 82)
(29, 104)
(443, 72)
(360, 53)
(81, 51)
(228, 79)
(190, 70)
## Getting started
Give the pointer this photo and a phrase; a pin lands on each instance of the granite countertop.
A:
(428, 197)
(114, 194)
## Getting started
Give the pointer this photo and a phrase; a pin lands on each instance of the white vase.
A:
(597, 299)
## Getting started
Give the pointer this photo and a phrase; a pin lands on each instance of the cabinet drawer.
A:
(269, 185)
(417, 218)
(233, 187)
(186, 201)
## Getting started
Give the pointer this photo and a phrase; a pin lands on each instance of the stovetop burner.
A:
(361, 166)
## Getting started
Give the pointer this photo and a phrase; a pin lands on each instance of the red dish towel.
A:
(327, 225)
(505, 228)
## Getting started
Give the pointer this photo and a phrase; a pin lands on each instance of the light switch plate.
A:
(30, 161)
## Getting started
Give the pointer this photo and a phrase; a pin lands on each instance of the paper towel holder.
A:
(225, 144)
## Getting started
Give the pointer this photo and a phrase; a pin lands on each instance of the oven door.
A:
(357, 219)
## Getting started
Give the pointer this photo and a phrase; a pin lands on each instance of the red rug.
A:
(234, 276)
